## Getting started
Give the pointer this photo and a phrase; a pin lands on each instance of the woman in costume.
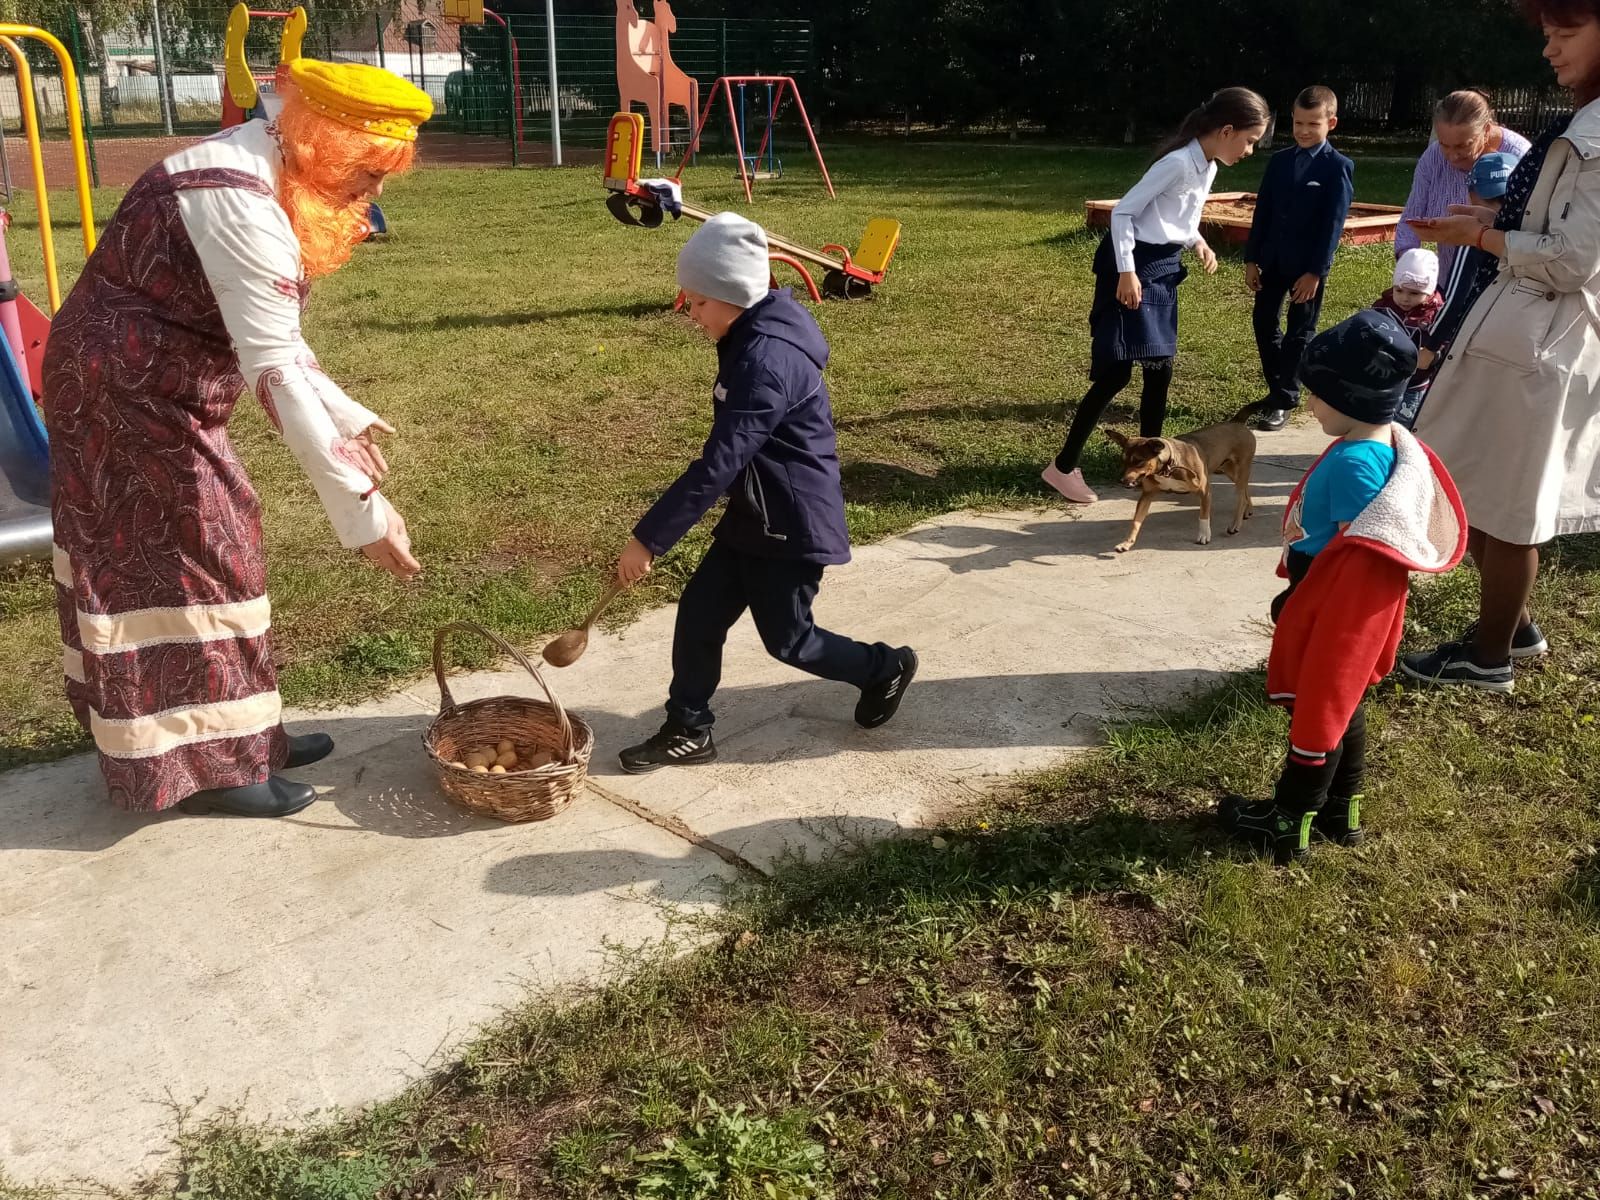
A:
(192, 297)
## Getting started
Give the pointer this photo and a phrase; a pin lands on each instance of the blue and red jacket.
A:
(1339, 629)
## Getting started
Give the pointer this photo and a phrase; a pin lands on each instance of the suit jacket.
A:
(1297, 225)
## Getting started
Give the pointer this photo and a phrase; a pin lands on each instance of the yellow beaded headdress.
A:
(370, 99)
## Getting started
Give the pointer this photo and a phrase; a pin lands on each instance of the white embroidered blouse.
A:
(251, 259)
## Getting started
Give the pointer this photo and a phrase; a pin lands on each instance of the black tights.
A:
(1112, 378)
(1304, 788)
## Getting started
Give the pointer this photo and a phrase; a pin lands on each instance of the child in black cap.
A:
(1376, 506)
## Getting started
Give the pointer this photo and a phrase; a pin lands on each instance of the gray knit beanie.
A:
(726, 259)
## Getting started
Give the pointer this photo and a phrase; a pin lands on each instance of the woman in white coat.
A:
(1515, 412)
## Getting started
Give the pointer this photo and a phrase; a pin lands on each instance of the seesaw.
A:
(845, 276)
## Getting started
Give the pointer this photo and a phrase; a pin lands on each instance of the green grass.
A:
(522, 342)
(1079, 990)
(1075, 990)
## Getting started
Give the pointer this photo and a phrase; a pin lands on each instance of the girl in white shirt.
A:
(1137, 269)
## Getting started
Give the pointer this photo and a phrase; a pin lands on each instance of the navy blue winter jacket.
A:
(1297, 226)
(772, 450)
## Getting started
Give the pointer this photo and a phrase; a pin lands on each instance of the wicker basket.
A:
(531, 725)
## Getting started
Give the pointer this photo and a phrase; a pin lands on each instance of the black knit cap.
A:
(1361, 366)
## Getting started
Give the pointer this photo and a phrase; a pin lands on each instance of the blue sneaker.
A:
(1451, 665)
(1527, 642)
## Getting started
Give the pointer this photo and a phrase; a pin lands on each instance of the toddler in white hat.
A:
(1415, 302)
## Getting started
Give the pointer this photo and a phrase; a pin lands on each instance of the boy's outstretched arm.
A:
(755, 405)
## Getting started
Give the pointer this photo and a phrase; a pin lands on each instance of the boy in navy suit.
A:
(1300, 214)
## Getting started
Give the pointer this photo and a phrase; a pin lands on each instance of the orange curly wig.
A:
(322, 161)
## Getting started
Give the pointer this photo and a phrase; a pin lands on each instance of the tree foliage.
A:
(1090, 67)
(1070, 63)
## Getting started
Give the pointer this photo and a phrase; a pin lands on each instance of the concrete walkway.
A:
(280, 967)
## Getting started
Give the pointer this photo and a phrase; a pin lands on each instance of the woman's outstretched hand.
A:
(392, 551)
(1462, 227)
(363, 453)
(1483, 212)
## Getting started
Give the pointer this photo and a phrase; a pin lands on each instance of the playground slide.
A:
(24, 467)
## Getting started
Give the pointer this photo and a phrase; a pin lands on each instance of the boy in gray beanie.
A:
(772, 452)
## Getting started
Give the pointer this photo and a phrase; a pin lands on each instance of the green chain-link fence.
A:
(142, 97)
(478, 99)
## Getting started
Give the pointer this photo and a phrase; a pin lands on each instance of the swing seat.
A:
(878, 245)
(754, 168)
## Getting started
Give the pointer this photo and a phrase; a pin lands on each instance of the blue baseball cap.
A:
(1491, 173)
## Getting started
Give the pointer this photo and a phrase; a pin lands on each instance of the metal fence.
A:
(1377, 106)
(503, 88)
(491, 84)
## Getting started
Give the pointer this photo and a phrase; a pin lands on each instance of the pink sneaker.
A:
(1070, 484)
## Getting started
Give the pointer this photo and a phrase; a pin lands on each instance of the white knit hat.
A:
(1417, 269)
(726, 259)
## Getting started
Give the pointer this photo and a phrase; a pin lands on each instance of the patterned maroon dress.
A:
(161, 581)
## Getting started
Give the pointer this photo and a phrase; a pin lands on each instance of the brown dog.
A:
(1186, 464)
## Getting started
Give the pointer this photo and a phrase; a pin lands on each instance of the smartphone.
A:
(1422, 222)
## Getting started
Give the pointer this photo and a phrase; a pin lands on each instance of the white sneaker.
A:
(1070, 484)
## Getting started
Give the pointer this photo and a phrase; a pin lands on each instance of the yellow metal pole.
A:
(69, 84)
(30, 121)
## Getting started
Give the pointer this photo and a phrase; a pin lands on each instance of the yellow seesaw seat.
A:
(878, 245)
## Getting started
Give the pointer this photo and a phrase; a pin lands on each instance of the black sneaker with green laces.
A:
(1264, 825)
(672, 746)
(1339, 821)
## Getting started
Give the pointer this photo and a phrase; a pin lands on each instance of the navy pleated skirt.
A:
(1119, 334)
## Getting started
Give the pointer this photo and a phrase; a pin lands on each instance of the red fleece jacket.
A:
(1338, 632)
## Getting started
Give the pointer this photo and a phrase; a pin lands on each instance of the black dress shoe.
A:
(1273, 419)
(277, 797)
(307, 748)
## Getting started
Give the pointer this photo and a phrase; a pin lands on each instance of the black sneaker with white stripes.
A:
(1451, 665)
(672, 746)
(879, 703)
(1527, 642)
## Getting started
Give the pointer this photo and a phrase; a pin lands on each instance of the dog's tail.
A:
(1242, 417)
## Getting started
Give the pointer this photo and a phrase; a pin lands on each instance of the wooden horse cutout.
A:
(678, 88)
(636, 81)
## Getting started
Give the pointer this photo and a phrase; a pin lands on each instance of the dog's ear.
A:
(1120, 438)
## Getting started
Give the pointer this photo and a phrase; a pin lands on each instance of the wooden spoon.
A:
(569, 647)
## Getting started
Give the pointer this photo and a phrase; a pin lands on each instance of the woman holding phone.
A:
(1515, 411)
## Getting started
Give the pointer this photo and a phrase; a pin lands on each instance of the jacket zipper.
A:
(756, 494)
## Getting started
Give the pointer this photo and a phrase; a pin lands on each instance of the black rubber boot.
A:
(306, 749)
(1263, 824)
(672, 746)
(1339, 820)
(277, 797)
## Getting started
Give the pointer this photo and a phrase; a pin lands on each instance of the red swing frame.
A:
(785, 85)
